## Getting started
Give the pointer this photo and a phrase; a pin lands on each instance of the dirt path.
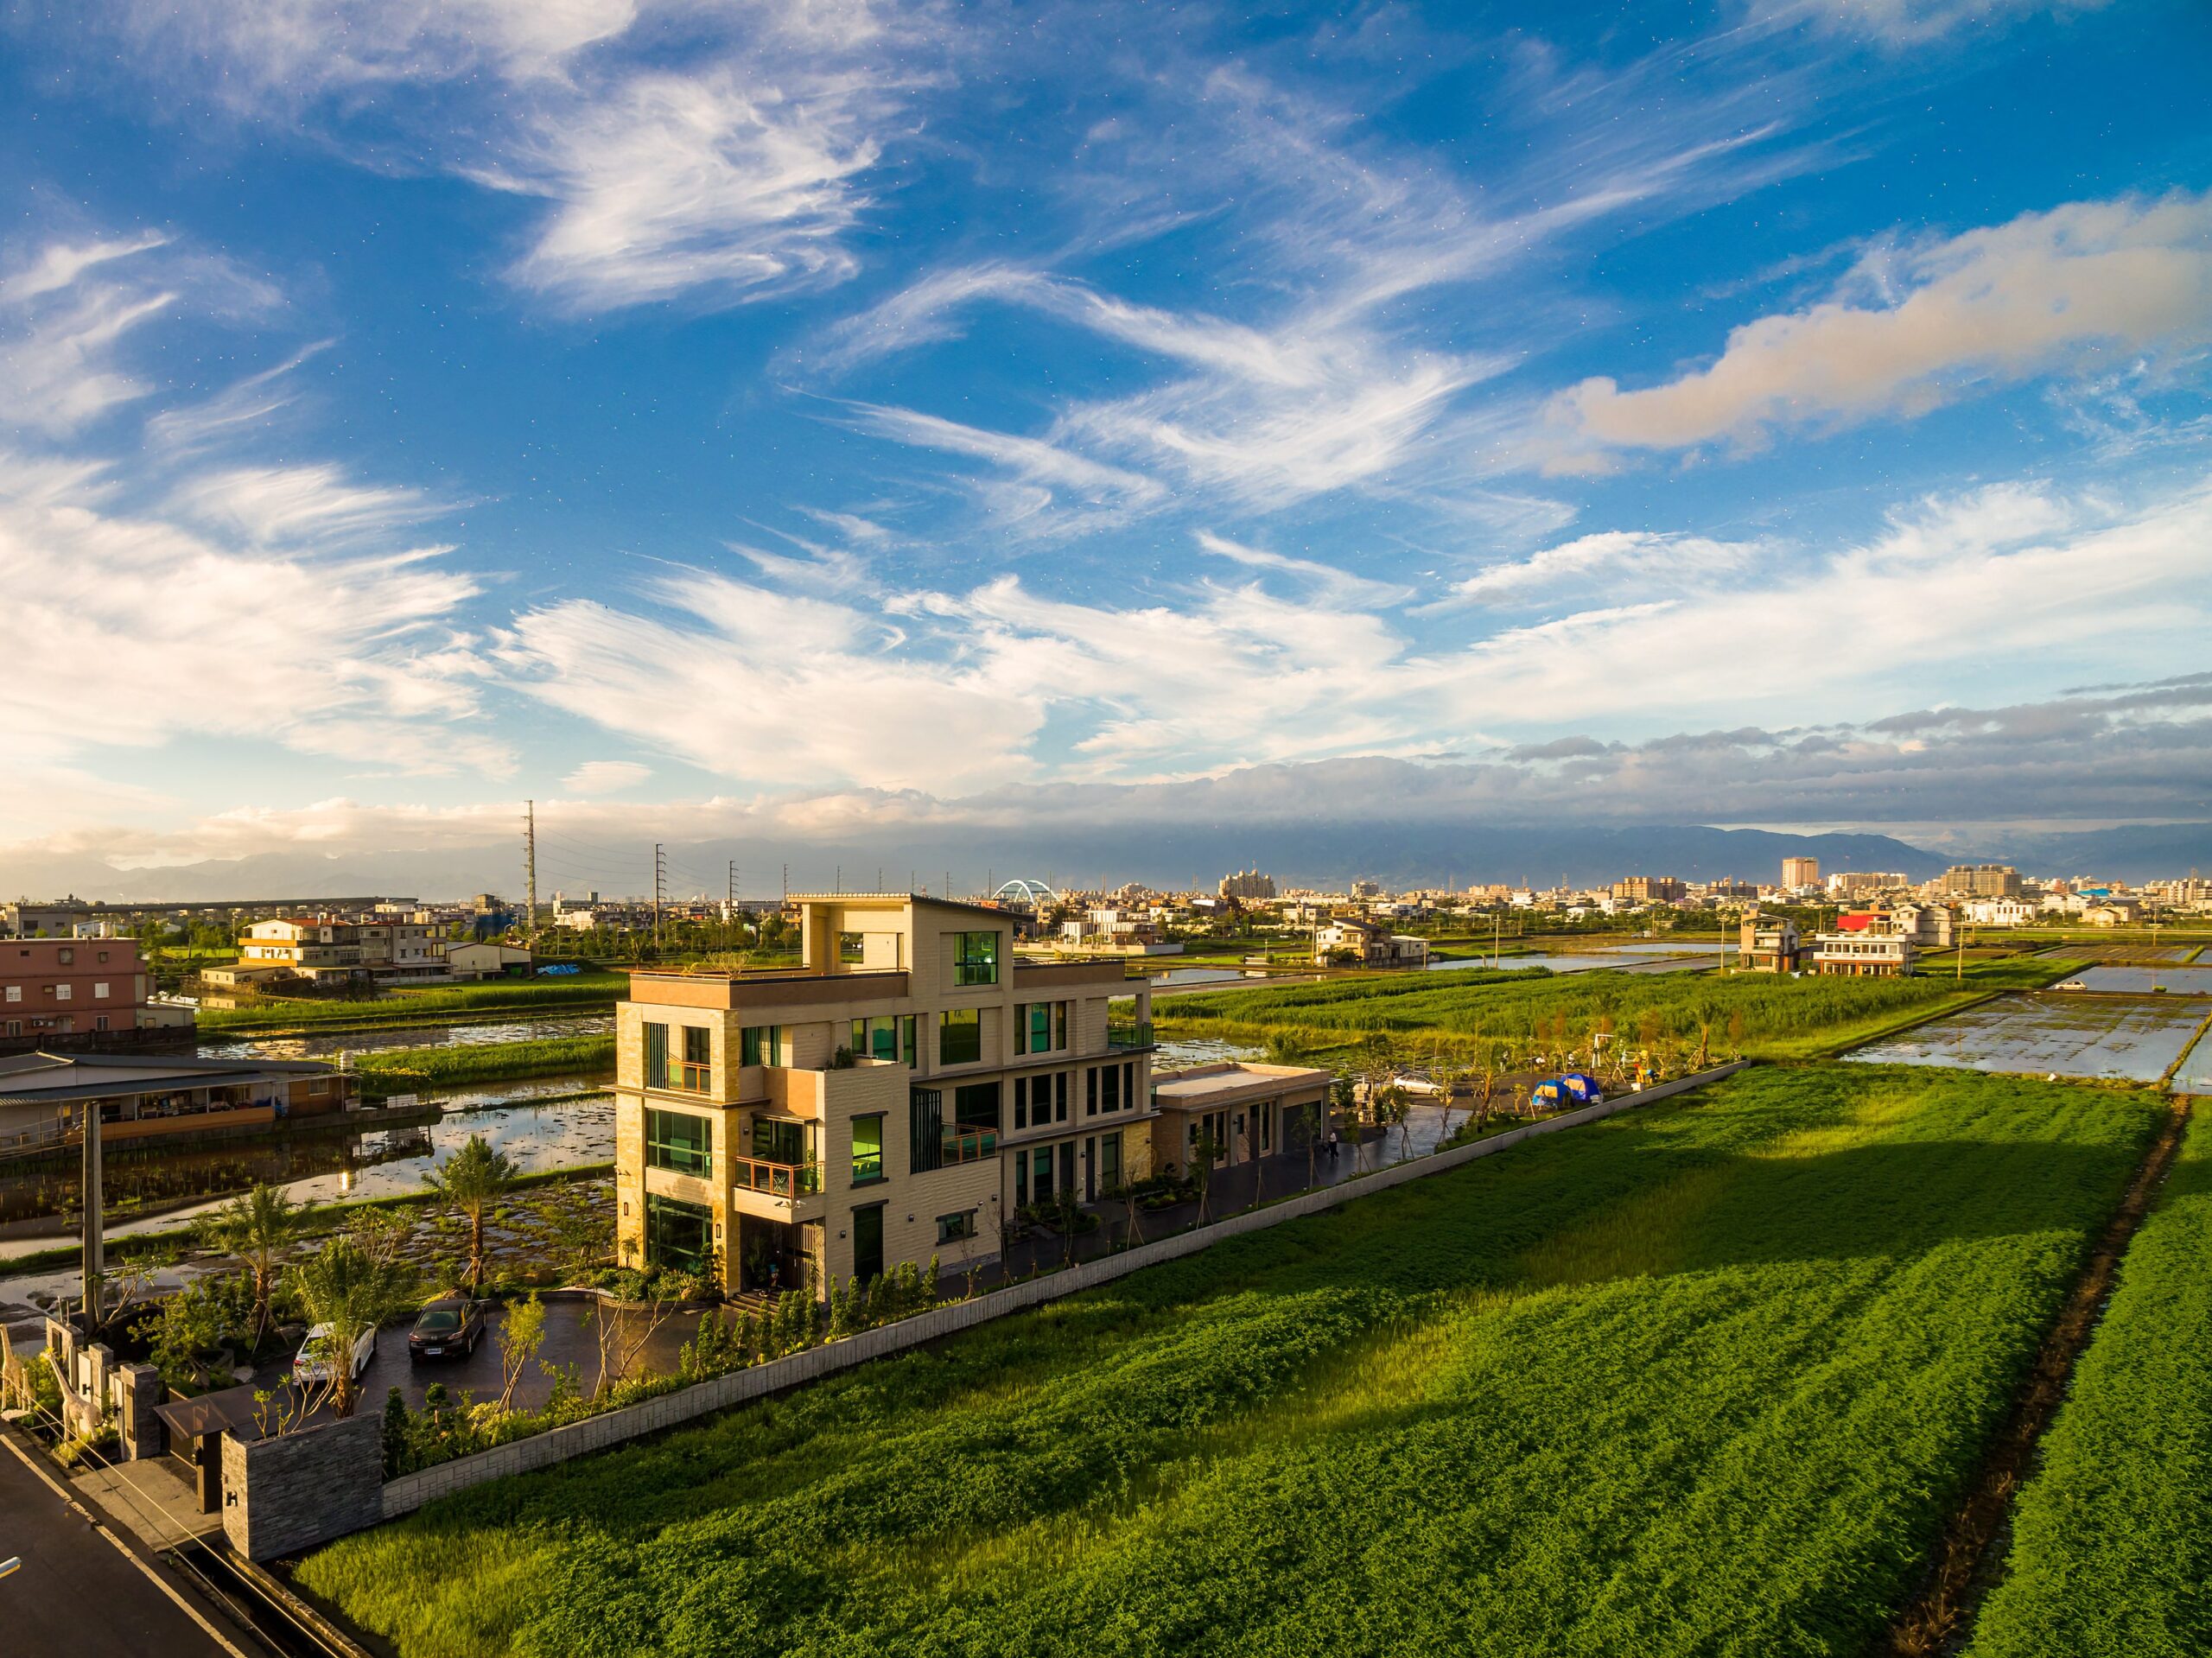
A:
(1965, 1565)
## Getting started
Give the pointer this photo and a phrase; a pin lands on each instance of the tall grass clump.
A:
(1704, 1378)
(397, 1070)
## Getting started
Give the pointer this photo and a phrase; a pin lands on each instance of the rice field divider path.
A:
(1964, 1564)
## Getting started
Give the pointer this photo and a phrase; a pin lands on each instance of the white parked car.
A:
(313, 1364)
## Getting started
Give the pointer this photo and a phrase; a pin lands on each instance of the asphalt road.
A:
(569, 1341)
(77, 1592)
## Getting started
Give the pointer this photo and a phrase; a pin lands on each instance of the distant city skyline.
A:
(759, 424)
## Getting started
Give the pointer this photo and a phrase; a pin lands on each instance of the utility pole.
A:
(660, 881)
(95, 1254)
(729, 903)
(529, 869)
(787, 883)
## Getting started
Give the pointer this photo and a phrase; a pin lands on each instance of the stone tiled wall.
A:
(289, 1493)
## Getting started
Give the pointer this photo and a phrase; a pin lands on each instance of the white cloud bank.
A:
(1915, 328)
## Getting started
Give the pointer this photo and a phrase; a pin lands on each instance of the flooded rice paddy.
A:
(2107, 1038)
(2151, 978)
(330, 1045)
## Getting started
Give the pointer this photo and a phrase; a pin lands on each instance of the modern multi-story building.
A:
(1800, 872)
(1247, 884)
(1865, 954)
(1649, 889)
(339, 947)
(1767, 943)
(61, 986)
(1854, 886)
(1981, 881)
(25, 917)
(899, 1096)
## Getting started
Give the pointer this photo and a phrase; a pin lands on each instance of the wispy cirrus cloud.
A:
(718, 174)
(330, 635)
(1917, 326)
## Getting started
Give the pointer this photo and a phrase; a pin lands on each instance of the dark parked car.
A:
(446, 1327)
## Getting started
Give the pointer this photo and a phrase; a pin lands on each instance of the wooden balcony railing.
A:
(967, 1146)
(789, 1180)
(687, 1078)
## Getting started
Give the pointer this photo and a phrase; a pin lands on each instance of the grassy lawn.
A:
(2112, 1540)
(1705, 1378)
(403, 1071)
(422, 1006)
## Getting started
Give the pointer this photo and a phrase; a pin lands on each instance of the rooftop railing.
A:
(1129, 1036)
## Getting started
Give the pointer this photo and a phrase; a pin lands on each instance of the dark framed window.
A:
(906, 1039)
(655, 1056)
(761, 1044)
(877, 1038)
(852, 948)
(951, 1228)
(1060, 1095)
(1112, 1099)
(1091, 1092)
(1110, 1160)
(868, 1149)
(676, 1234)
(778, 1140)
(960, 1033)
(976, 958)
(975, 1105)
(1035, 1026)
(678, 1140)
(1021, 1102)
(698, 1045)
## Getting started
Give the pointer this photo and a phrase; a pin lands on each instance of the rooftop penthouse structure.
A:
(898, 1096)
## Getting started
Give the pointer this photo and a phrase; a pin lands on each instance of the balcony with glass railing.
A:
(1129, 1036)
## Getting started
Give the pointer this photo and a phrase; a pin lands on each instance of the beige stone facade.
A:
(895, 1098)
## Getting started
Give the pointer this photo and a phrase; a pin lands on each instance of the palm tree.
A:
(349, 1292)
(256, 1226)
(471, 1181)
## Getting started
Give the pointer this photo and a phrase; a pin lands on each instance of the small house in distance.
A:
(488, 961)
(1767, 943)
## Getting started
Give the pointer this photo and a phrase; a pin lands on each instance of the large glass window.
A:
(1021, 1102)
(976, 1105)
(655, 1056)
(976, 958)
(1110, 1160)
(877, 1038)
(677, 1235)
(778, 1140)
(867, 1150)
(697, 1076)
(678, 1140)
(764, 1045)
(960, 1033)
(852, 948)
(907, 1042)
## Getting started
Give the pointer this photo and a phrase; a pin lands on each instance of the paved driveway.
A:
(569, 1341)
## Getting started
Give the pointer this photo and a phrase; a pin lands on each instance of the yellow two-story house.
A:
(898, 1095)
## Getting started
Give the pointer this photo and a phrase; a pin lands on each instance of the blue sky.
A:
(762, 418)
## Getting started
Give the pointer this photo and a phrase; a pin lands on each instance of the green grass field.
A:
(2112, 1540)
(1761, 1015)
(422, 1006)
(1705, 1378)
(403, 1071)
